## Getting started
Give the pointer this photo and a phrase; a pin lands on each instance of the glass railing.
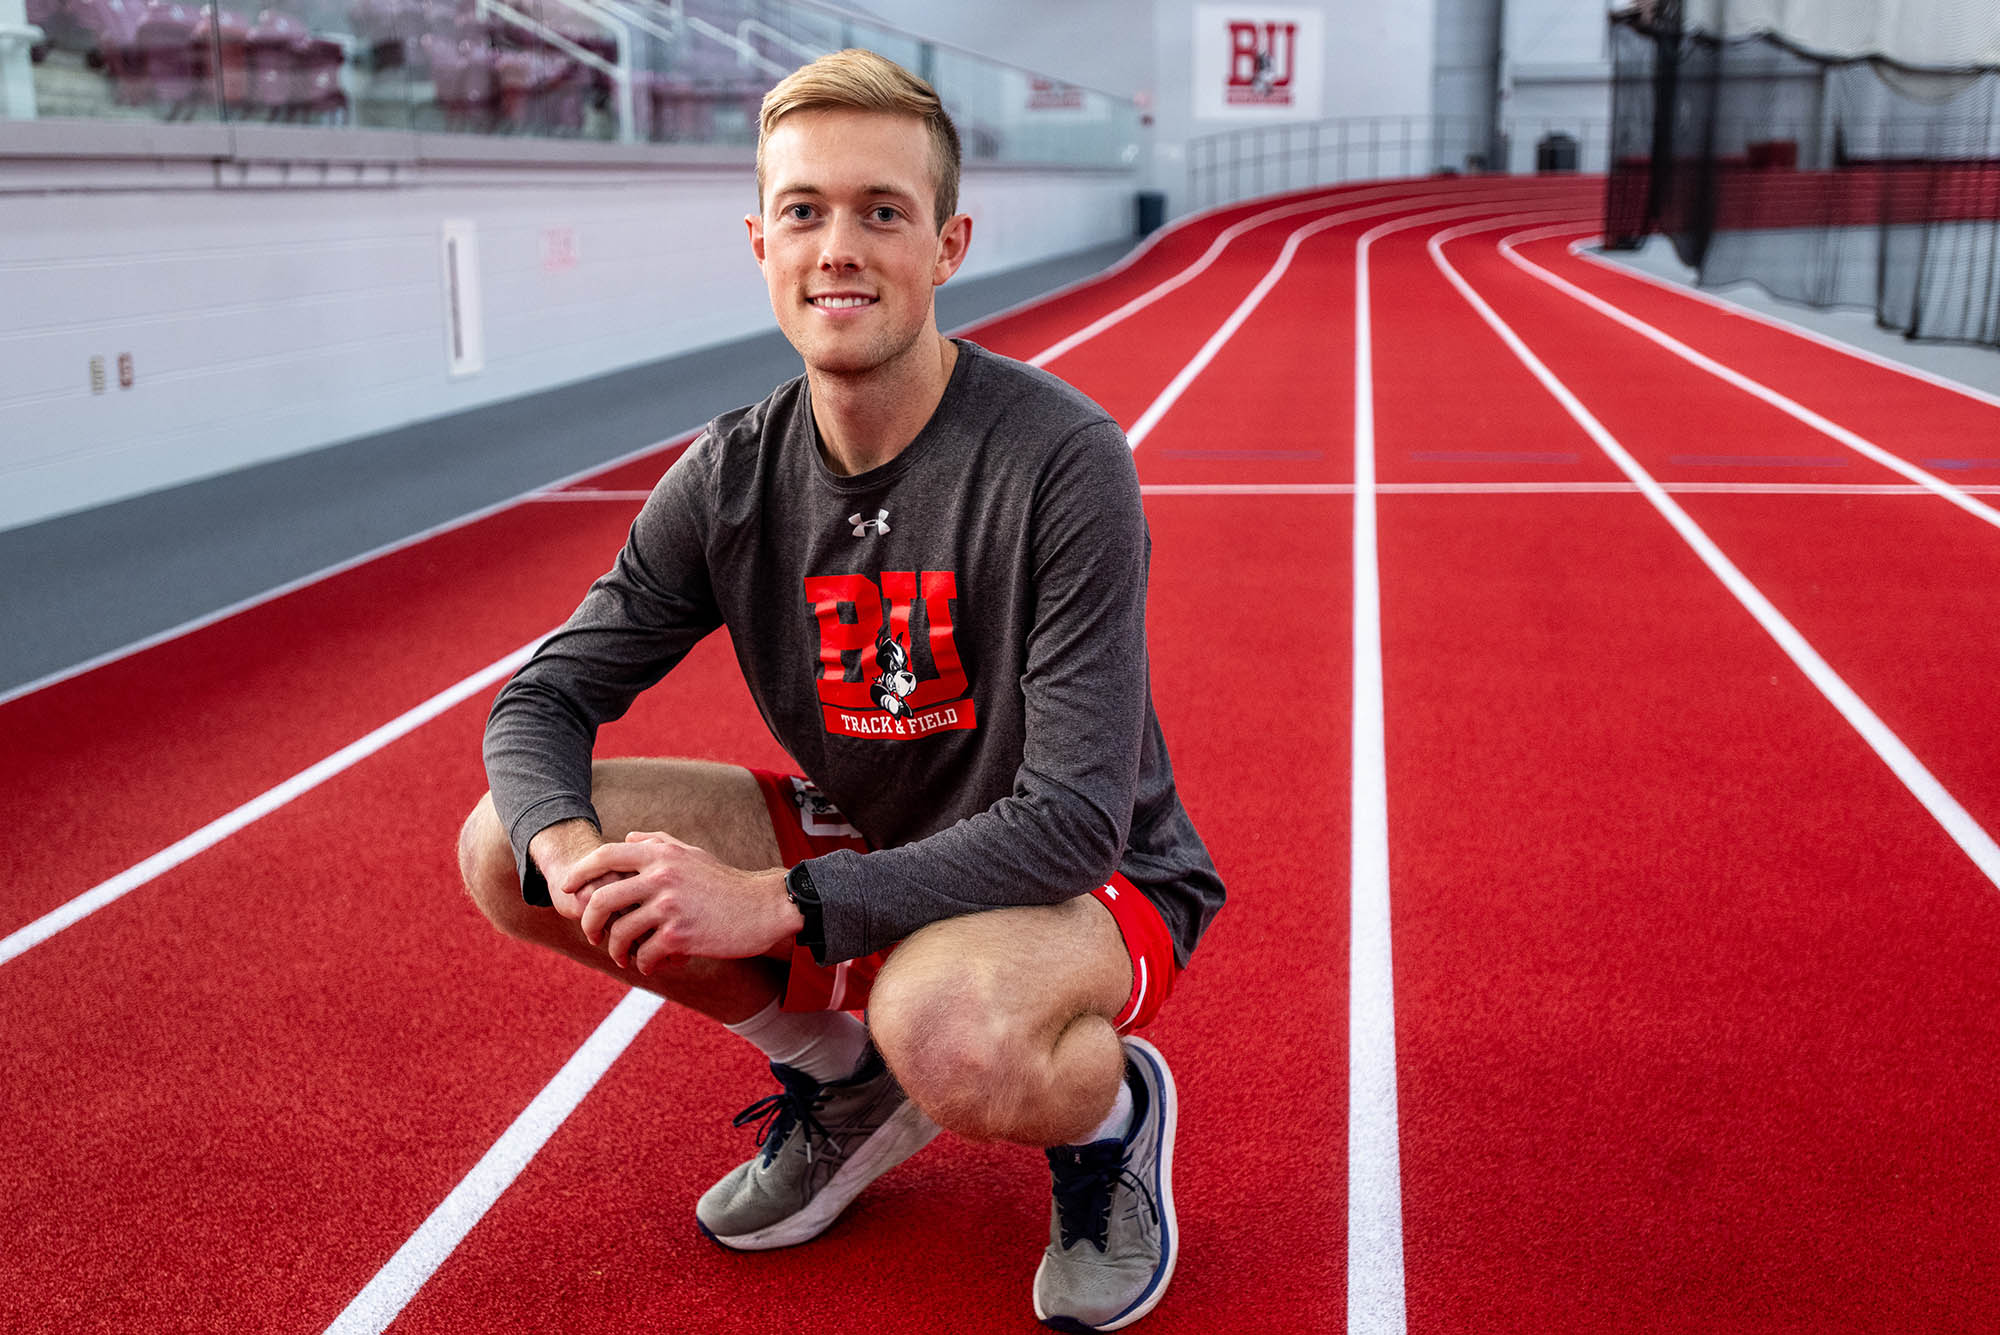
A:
(629, 71)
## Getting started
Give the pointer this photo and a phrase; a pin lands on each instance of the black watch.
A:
(799, 888)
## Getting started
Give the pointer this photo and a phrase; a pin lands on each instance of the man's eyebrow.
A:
(807, 188)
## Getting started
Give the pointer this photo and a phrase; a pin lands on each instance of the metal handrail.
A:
(620, 72)
(783, 39)
(681, 19)
(633, 15)
(880, 25)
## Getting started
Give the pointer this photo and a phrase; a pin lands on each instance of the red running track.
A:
(1693, 999)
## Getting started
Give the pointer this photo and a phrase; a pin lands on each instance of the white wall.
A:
(264, 322)
(1557, 76)
(1377, 60)
(1467, 42)
(1102, 44)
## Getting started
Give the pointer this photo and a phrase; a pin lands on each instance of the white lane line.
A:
(1451, 489)
(1375, 1273)
(1577, 248)
(1922, 784)
(1789, 406)
(1328, 195)
(418, 1259)
(1542, 489)
(1136, 434)
(1455, 489)
(213, 833)
(1394, 196)
(1385, 198)
(1375, 1300)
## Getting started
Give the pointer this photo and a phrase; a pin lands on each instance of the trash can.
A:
(1151, 212)
(1556, 153)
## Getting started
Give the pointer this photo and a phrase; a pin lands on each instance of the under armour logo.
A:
(864, 527)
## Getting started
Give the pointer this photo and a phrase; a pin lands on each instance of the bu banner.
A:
(1258, 62)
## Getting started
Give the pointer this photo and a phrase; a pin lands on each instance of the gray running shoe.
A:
(1112, 1238)
(820, 1145)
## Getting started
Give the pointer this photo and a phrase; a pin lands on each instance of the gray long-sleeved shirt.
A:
(951, 646)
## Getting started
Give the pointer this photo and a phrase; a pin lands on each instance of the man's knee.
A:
(945, 1029)
(486, 865)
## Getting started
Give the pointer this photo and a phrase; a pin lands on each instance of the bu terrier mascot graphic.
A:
(896, 681)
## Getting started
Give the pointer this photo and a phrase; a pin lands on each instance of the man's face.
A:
(846, 239)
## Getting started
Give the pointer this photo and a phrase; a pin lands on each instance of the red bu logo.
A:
(868, 681)
(1263, 57)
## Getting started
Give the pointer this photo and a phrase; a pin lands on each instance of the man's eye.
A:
(884, 214)
(798, 212)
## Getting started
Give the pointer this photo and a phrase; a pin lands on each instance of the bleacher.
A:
(544, 67)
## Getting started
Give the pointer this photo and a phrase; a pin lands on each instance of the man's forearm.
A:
(557, 847)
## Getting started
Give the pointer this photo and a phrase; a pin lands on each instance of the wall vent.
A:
(464, 325)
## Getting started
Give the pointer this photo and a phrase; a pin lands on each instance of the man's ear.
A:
(755, 223)
(953, 241)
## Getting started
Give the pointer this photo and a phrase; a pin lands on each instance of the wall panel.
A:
(267, 321)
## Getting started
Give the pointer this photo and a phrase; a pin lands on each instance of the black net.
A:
(1835, 183)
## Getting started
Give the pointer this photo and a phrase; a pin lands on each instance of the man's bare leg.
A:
(716, 807)
(998, 1024)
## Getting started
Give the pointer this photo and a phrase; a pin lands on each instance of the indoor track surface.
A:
(1576, 683)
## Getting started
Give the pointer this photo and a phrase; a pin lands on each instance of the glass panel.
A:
(297, 62)
(664, 71)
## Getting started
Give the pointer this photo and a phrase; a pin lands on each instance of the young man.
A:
(932, 563)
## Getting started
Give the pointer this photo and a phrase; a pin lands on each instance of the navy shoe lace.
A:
(1085, 1177)
(798, 1098)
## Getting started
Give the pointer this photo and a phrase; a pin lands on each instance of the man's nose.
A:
(842, 247)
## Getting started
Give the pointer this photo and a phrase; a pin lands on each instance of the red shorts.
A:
(807, 826)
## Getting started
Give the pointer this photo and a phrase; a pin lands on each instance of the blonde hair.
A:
(858, 80)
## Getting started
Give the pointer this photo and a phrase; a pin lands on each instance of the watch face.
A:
(799, 887)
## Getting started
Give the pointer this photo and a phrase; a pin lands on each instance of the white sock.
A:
(826, 1045)
(1119, 1120)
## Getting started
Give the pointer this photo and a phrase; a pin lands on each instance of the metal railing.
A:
(1263, 159)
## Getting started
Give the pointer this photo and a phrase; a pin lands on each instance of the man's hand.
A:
(654, 898)
(558, 848)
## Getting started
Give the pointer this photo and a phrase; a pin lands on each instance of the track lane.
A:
(1480, 421)
(243, 1091)
(1886, 588)
(1690, 991)
(108, 768)
(1756, 389)
(1282, 386)
(1932, 426)
(1677, 957)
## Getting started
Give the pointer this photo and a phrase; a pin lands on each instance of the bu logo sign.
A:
(873, 640)
(1263, 59)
